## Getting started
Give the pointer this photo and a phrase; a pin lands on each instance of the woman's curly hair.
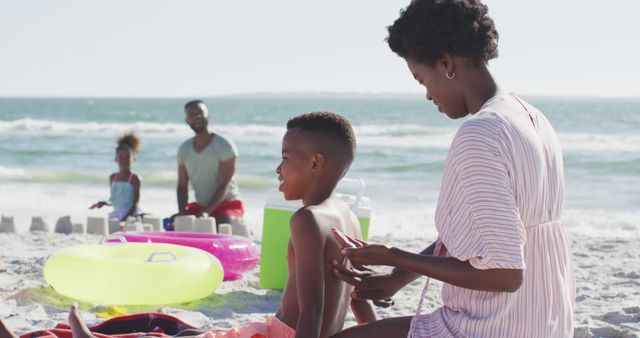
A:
(130, 140)
(427, 29)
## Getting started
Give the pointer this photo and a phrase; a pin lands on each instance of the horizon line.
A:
(304, 94)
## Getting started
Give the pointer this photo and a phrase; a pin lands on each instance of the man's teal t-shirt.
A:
(203, 167)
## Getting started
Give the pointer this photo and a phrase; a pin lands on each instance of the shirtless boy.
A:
(317, 151)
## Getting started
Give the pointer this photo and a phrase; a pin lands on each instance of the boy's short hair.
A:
(193, 102)
(330, 124)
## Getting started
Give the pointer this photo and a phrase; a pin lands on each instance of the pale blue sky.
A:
(204, 48)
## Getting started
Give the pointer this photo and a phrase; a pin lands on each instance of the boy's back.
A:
(311, 285)
(317, 150)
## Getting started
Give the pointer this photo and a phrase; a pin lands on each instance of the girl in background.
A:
(125, 185)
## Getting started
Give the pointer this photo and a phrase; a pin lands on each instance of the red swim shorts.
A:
(231, 208)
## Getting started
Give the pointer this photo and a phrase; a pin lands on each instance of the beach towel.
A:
(162, 325)
(130, 326)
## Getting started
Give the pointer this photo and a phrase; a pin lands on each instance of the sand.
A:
(607, 302)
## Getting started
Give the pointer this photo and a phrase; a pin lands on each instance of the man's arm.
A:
(182, 191)
(225, 173)
(308, 247)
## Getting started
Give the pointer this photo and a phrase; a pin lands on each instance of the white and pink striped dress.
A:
(499, 208)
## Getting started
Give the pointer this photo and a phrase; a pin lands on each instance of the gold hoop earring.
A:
(450, 77)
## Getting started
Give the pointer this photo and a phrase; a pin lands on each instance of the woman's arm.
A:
(406, 276)
(447, 269)
(182, 190)
(370, 285)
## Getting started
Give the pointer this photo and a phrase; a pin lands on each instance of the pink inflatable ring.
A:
(237, 254)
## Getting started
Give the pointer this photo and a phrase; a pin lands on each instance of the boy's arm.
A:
(363, 311)
(308, 247)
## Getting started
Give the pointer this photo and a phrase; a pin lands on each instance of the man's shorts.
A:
(230, 208)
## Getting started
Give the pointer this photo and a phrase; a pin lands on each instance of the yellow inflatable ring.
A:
(133, 273)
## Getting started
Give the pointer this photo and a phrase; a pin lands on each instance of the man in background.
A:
(208, 161)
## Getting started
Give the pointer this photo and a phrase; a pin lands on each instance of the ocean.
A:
(56, 154)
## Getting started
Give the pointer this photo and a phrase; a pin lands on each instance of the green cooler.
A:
(276, 231)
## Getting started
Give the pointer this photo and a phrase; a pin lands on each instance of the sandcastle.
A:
(38, 224)
(64, 225)
(103, 226)
(7, 224)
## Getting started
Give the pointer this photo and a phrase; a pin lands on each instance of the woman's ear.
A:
(446, 64)
(318, 161)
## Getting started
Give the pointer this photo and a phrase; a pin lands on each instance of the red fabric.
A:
(66, 333)
(130, 326)
(232, 208)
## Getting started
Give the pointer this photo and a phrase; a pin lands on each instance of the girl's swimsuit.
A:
(122, 195)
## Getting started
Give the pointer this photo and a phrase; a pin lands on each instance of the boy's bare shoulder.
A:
(308, 218)
(303, 216)
(306, 233)
(311, 226)
(324, 216)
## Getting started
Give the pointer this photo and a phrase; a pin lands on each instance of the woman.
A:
(501, 250)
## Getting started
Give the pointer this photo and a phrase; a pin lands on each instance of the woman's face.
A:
(444, 92)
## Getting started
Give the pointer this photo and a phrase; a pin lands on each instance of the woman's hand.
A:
(361, 253)
(370, 254)
(369, 284)
(347, 241)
